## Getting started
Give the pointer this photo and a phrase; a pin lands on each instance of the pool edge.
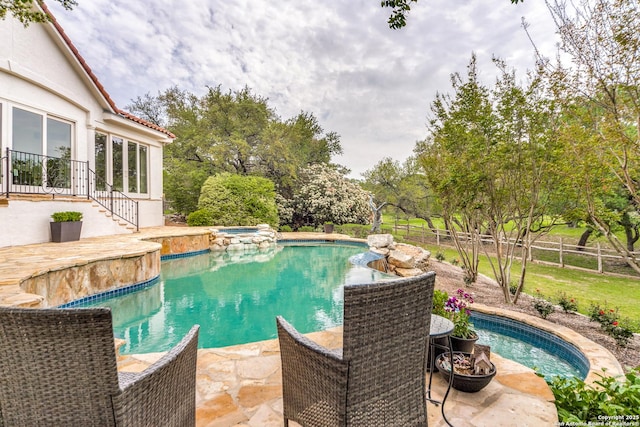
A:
(599, 357)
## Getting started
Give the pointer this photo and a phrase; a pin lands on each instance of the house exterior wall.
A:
(40, 73)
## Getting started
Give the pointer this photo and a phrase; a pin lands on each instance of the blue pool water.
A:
(235, 299)
(530, 346)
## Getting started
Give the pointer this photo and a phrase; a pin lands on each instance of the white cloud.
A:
(339, 60)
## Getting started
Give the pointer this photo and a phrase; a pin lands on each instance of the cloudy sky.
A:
(337, 59)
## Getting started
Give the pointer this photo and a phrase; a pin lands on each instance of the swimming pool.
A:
(301, 281)
(530, 346)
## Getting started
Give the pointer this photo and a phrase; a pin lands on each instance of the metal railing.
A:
(29, 173)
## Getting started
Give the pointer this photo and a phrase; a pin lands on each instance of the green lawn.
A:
(585, 287)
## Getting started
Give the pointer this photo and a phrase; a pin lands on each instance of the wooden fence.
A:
(593, 257)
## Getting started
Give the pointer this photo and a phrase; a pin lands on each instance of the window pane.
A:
(27, 131)
(118, 172)
(26, 169)
(143, 169)
(101, 161)
(132, 158)
(58, 139)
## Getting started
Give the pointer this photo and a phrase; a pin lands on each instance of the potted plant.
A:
(328, 227)
(439, 300)
(464, 335)
(66, 226)
(471, 371)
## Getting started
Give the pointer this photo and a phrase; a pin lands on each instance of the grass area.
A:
(586, 288)
(570, 235)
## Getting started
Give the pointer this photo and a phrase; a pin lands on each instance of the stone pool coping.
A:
(599, 357)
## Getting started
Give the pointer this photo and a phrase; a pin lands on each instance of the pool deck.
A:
(241, 385)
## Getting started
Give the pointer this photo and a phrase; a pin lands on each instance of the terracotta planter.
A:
(328, 228)
(464, 345)
(65, 231)
(464, 382)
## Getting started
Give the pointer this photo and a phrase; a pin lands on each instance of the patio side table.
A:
(439, 328)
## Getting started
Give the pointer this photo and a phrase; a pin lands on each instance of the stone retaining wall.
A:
(263, 238)
(78, 281)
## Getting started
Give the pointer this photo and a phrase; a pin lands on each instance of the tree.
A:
(326, 196)
(601, 99)
(25, 11)
(234, 132)
(232, 199)
(400, 9)
(401, 186)
(455, 161)
(491, 160)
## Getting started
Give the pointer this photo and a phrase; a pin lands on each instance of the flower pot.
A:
(469, 383)
(464, 345)
(67, 231)
(328, 228)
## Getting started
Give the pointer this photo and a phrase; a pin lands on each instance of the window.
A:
(137, 159)
(27, 131)
(132, 158)
(117, 145)
(35, 135)
(124, 167)
(143, 169)
(101, 161)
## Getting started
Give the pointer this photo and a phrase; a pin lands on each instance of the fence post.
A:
(438, 236)
(600, 270)
(561, 254)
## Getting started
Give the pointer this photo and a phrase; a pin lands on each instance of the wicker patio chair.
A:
(378, 377)
(58, 368)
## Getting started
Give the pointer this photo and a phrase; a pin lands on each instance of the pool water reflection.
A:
(235, 298)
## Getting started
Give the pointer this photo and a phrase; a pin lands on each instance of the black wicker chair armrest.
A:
(307, 344)
(314, 379)
(164, 393)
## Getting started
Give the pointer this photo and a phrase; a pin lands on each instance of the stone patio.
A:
(241, 385)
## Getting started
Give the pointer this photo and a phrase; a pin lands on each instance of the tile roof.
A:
(95, 80)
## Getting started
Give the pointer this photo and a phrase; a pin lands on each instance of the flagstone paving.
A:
(240, 386)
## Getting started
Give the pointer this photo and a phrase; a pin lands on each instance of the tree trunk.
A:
(583, 239)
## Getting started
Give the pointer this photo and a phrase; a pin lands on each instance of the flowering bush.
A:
(458, 311)
(325, 195)
(567, 304)
(609, 320)
(542, 306)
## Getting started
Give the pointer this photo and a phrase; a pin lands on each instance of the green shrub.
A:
(239, 200)
(439, 299)
(306, 229)
(285, 229)
(567, 304)
(542, 306)
(513, 288)
(199, 218)
(609, 319)
(357, 231)
(580, 403)
(67, 216)
(440, 256)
